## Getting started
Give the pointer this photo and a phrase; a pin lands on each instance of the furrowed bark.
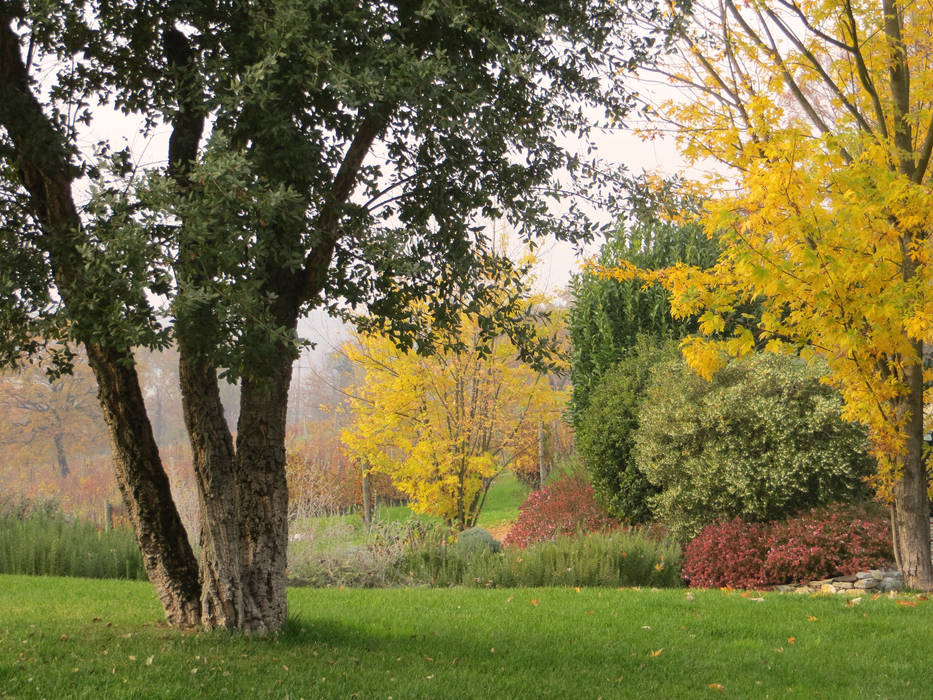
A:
(212, 449)
(46, 173)
(263, 493)
(160, 534)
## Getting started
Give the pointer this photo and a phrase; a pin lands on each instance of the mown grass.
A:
(505, 496)
(68, 638)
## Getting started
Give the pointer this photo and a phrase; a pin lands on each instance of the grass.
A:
(502, 502)
(69, 638)
(44, 541)
(505, 496)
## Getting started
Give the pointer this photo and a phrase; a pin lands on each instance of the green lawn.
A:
(62, 638)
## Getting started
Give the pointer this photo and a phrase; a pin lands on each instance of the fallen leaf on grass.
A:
(689, 597)
(149, 660)
(907, 603)
(657, 652)
(716, 686)
(535, 601)
(791, 640)
(853, 601)
(812, 619)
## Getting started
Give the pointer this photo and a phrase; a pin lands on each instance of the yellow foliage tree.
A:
(820, 114)
(444, 426)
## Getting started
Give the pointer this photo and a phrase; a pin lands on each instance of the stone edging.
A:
(876, 580)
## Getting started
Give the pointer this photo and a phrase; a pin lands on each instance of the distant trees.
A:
(49, 421)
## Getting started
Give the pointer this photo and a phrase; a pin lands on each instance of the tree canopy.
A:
(819, 114)
(608, 316)
(320, 153)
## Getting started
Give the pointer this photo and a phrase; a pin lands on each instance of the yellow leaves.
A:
(704, 357)
(443, 426)
(716, 686)
(656, 653)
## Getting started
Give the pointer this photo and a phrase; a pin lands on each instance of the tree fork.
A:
(46, 173)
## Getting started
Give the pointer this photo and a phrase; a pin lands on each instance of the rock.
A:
(846, 579)
(821, 582)
(840, 584)
(827, 588)
(867, 583)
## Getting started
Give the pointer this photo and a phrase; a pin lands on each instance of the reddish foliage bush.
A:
(729, 553)
(565, 507)
(825, 542)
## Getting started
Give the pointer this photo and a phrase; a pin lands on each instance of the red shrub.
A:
(729, 553)
(822, 543)
(562, 508)
(827, 542)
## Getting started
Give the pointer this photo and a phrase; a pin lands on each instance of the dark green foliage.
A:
(40, 540)
(609, 316)
(763, 440)
(622, 558)
(605, 435)
(466, 105)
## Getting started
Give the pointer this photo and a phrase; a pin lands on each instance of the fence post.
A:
(108, 516)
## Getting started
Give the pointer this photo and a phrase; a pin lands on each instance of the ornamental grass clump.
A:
(621, 558)
(38, 539)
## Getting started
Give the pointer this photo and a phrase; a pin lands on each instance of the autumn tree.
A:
(444, 426)
(46, 420)
(320, 154)
(819, 116)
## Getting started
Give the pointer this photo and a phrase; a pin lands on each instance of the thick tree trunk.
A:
(911, 506)
(161, 536)
(263, 493)
(222, 601)
(46, 172)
